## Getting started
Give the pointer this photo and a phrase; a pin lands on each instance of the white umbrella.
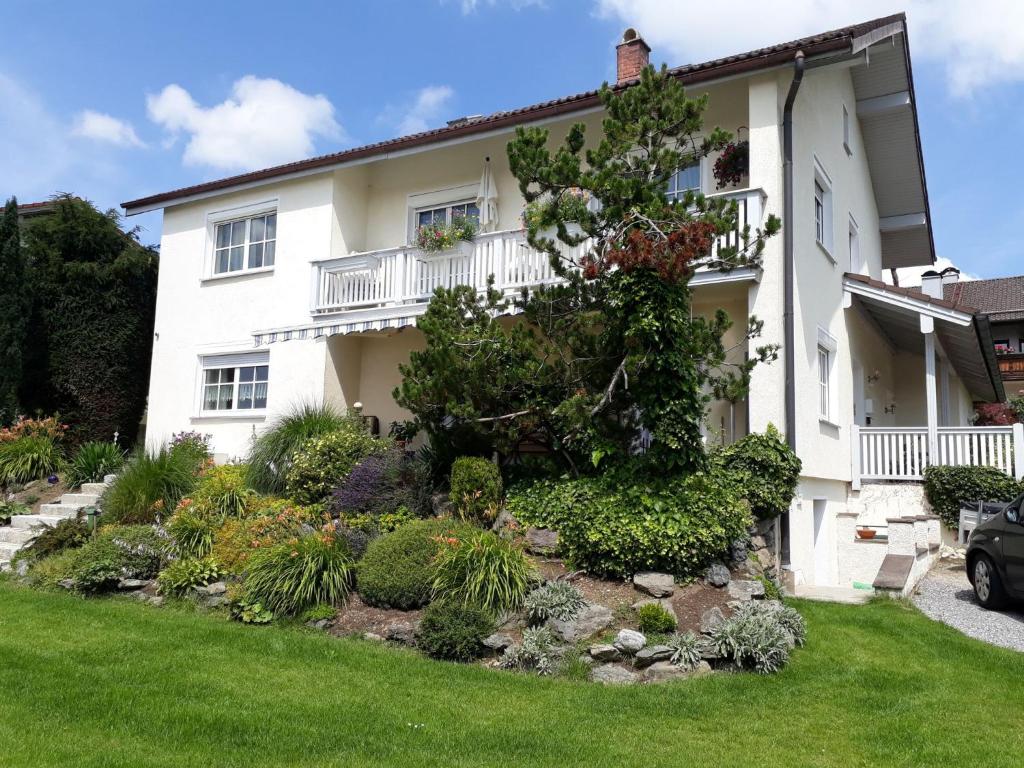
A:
(487, 199)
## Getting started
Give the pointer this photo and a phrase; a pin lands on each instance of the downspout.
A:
(789, 259)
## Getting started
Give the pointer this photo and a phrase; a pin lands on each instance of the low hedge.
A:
(613, 526)
(475, 488)
(949, 488)
(765, 470)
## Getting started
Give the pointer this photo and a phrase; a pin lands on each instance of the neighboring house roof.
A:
(760, 59)
(1001, 298)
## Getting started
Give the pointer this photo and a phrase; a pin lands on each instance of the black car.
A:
(995, 556)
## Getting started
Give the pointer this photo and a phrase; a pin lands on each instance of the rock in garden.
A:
(503, 520)
(717, 575)
(588, 622)
(651, 654)
(611, 674)
(663, 671)
(215, 601)
(588, 660)
(630, 641)
(319, 624)
(666, 605)
(757, 541)
(711, 620)
(400, 632)
(746, 590)
(738, 551)
(66, 583)
(604, 652)
(440, 504)
(156, 600)
(655, 584)
(542, 541)
(373, 637)
(217, 588)
(497, 642)
(132, 584)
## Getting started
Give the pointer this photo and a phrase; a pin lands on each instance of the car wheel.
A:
(988, 587)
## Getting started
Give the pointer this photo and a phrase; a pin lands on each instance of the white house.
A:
(298, 283)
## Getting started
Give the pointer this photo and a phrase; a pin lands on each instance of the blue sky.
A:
(115, 100)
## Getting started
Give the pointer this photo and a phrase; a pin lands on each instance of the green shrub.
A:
(554, 600)
(118, 552)
(69, 533)
(320, 463)
(483, 569)
(398, 569)
(537, 652)
(475, 488)
(765, 469)
(772, 590)
(93, 462)
(270, 522)
(288, 578)
(193, 444)
(181, 575)
(271, 454)
(759, 636)
(149, 487)
(222, 491)
(192, 532)
(454, 631)
(49, 572)
(28, 458)
(949, 488)
(655, 620)
(613, 526)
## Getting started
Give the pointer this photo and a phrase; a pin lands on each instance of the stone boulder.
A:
(652, 654)
(711, 620)
(604, 652)
(612, 674)
(665, 671)
(127, 584)
(588, 622)
(629, 641)
(541, 541)
(717, 575)
(400, 632)
(655, 584)
(497, 642)
(440, 504)
(745, 591)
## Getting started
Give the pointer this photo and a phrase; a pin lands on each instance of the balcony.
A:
(403, 278)
(1011, 365)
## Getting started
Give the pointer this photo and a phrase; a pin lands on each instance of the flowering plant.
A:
(49, 427)
(733, 164)
(443, 237)
(570, 205)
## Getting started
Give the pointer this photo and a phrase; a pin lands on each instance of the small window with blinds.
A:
(234, 383)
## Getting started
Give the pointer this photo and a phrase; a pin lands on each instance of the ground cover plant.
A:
(217, 693)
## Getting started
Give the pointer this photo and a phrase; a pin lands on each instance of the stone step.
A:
(79, 500)
(109, 479)
(7, 549)
(828, 594)
(31, 521)
(15, 535)
(59, 510)
(894, 572)
(97, 488)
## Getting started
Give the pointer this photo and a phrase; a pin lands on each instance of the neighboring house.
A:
(1002, 299)
(298, 282)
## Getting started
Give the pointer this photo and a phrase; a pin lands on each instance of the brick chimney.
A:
(631, 56)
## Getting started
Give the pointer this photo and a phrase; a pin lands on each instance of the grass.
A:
(115, 683)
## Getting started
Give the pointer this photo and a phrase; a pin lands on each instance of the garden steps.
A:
(79, 500)
(58, 509)
(33, 521)
(18, 536)
(94, 488)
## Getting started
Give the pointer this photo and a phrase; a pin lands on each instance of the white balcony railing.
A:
(902, 453)
(406, 275)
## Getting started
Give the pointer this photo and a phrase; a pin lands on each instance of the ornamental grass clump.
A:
(222, 491)
(93, 462)
(271, 454)
(29, 458)
(483, 569)
(150, 487)
(554, 600)
(290, 577)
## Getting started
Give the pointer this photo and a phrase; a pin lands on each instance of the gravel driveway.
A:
(945, 595)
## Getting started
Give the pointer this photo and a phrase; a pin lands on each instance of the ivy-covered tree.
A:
(14, 308)
(615, 346)
(93, 306)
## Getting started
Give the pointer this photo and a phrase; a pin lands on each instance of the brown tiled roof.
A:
(914, 293)
(761, 58)
(1001, 298)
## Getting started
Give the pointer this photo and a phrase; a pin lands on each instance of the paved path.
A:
(945, 595)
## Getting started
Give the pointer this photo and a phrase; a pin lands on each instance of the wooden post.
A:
(1018, 451)
(856, 468)
(928, 329)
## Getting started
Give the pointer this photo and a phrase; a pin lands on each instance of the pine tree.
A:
(14, 308)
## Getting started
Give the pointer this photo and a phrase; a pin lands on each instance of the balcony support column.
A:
(931, 390)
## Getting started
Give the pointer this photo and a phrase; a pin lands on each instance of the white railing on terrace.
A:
(903, 453)
(407, 275)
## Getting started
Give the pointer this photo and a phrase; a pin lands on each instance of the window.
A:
(1003, 345)
(823, 230)
(445, 213)
(824, 363)
(245, 244)
(857, 264)
(686, 179)
(846, 130)
(235, 382)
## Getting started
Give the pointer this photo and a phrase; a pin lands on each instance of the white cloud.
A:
(471, 6)
(100, 127)
(910, 276)
(426, 110)
(264, 122)
(977, 42)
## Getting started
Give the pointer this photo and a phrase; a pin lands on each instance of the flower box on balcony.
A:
(357, 263)
(462, 248)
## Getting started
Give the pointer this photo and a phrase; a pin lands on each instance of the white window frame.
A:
(858, 264)
(436, 198)
(241, 213)
(825, 368)
(447, 207)
(236, 362)
(825, 234)
(673, 195)
(846, 131)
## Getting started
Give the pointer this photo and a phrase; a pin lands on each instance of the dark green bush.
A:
(28, 458)
(119, 552)
(290, 577)
(454, 631)
(482, 569)
(149, 487)
(69, 533)
(948, 488)
(271, 454)
(613, 526)
(93, 462)
(398, 569)
(475, 488)
(655, 620)
(766, 471)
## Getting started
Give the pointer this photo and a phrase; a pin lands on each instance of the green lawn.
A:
(114, 683)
